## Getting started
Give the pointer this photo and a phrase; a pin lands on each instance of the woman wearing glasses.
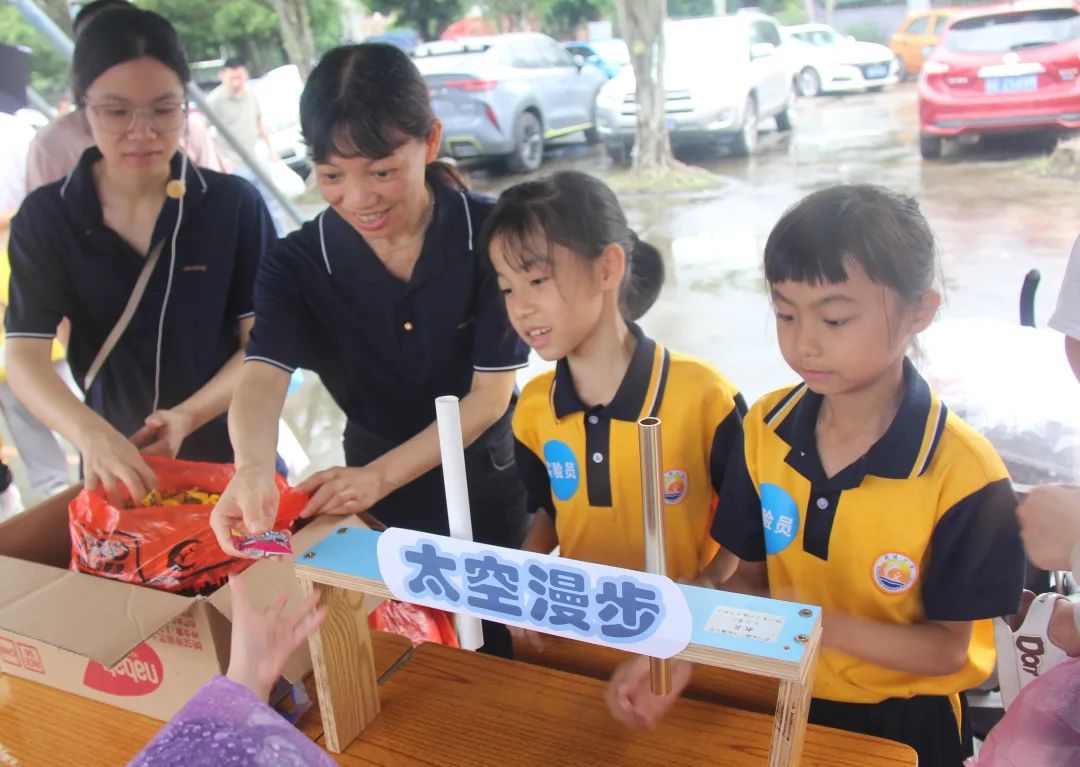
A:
(152, 259)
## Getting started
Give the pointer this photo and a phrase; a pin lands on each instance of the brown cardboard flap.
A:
(100, 619)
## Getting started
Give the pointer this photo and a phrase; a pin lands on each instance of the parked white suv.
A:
(723, 75)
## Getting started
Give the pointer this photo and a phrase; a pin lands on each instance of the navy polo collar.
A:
(80, 196)
(904, 451)
(451, 231)
(629, 399)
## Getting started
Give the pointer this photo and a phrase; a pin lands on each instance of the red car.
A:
(1002, 69)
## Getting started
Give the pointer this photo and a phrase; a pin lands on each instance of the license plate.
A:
(873, 73)
(670, 123)
(1020, 84)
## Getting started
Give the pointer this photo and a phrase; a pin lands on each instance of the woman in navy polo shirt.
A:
(386, 296)
(78, 247)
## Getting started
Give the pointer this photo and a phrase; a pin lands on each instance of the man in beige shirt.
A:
(237, 106)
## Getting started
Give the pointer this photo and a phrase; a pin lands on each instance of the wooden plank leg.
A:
(344, 666)
(792, 710)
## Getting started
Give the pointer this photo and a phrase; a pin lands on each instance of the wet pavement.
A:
(994, 213)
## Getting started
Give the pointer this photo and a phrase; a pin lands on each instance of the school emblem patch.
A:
(895, 573)
(676, 483)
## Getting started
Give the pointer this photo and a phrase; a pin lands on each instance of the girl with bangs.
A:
(857, 490)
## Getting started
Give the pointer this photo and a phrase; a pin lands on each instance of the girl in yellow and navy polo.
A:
(859, 491)
(574, 277)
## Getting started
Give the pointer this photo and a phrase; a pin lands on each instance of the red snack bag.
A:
(168, 547)
(416, 623)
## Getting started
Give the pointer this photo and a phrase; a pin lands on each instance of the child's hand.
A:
(264, 640)
(630, 699)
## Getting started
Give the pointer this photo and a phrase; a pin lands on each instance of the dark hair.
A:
(362, 101)
(129, 34)
(90, 11)
(582, 214)
(235, 62)
(881, 230)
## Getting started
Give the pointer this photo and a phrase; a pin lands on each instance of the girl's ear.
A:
(611, 266)
(925, 311)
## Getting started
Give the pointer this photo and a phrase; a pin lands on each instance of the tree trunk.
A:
(830, 12)
(295, 24)
(642, 23)
(811, 12)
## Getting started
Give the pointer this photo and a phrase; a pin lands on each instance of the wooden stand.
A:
(345, 674)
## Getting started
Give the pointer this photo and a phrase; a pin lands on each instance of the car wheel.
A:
(783, 120)
(746, 140)
(529, 150)
(930, 146)
(809, 83)
(592, 135)
(901, 69)
(619, 153)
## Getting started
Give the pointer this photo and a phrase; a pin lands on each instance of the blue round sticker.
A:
(562, 468)
(779, 518)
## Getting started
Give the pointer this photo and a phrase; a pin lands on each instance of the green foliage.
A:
(48, 70)
(428, 17)
(562, 18)
(680, 8)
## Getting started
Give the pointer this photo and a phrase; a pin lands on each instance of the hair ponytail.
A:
(643, 281)
(581, 213)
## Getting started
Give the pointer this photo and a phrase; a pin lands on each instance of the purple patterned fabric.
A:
(225, 725)
(1042, 728)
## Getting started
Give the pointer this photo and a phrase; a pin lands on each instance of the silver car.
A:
(503, 96)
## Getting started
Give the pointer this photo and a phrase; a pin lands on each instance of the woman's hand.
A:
(248, 505)
(164, 432)
(113, 463)
(343, 490)
(264, 640)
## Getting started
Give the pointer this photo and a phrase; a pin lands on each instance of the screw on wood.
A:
(309, 555)
(802, 638)
(805, 613)
(342, 530)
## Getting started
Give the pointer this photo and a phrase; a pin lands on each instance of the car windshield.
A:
(1004, 32)
(614, 51)
(691, 48)
(818, 37)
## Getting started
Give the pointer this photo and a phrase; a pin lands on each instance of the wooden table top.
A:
(734, 689)
(44, 727)
(525, 715)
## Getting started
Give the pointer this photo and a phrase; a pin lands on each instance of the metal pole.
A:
(57, 38)
(62, 43)
(652, 504)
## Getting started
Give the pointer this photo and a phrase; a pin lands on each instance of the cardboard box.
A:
(136, 648)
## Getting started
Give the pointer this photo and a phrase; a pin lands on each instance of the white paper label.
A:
(746, 624)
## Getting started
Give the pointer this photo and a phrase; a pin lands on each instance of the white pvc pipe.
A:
(448, 418)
